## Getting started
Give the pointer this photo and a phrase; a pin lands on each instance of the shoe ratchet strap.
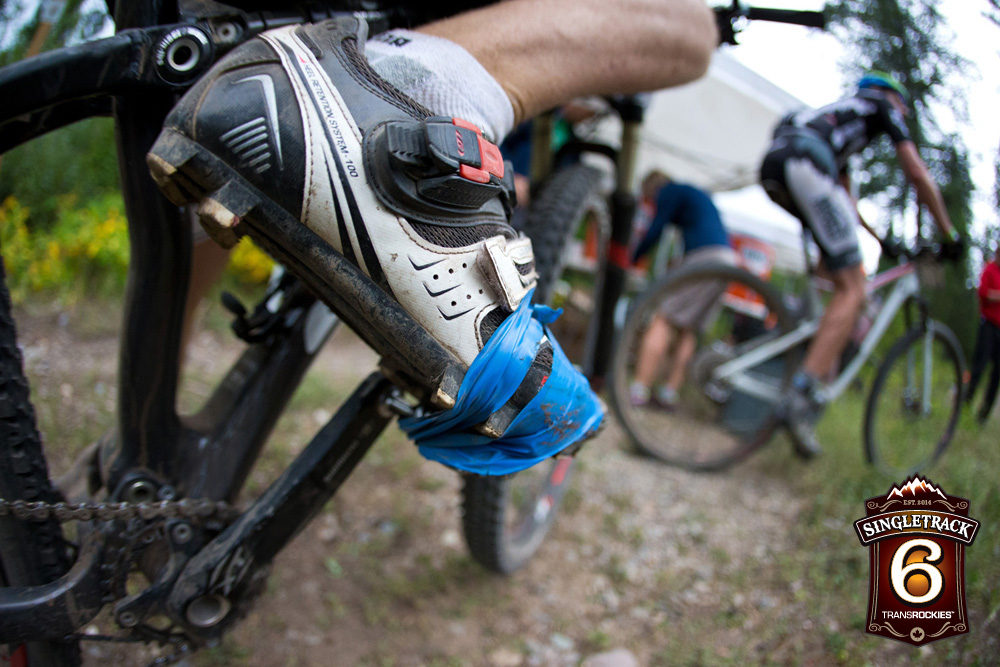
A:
(562, 413)
(450, 160)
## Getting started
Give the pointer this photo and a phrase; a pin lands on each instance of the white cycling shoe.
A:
(298, 119)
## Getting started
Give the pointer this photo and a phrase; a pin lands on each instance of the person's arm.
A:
(928, 193)
(651, 237)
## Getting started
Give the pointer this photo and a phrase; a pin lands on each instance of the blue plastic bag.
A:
(563, 412)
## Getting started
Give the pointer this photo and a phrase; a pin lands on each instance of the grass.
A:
(837, 485)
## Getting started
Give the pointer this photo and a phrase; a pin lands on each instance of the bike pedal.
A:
(541, 366)
(229, 207)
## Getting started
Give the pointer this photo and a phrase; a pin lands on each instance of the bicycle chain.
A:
(193, 510)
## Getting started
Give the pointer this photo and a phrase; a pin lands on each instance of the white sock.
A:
(442, 76)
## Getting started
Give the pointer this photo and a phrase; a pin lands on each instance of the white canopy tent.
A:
(713, 133)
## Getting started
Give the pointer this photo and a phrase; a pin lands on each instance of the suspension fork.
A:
(616, 263)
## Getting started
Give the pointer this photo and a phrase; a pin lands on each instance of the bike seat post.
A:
(541, 141)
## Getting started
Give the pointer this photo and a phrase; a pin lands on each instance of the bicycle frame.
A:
(906, 289)
(155, 453)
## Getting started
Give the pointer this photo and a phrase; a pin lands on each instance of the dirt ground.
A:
(643, 557)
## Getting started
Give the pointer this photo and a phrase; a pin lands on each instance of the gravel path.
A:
(643, 558)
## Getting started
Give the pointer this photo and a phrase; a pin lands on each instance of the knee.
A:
(703, 37)
(700, 35)
(672, 39)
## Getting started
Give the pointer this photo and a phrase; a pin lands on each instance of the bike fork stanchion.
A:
(617, 256)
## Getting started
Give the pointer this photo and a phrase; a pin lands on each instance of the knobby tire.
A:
(31, 552)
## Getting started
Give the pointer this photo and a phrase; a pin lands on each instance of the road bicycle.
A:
(750, 345)
(158, 496)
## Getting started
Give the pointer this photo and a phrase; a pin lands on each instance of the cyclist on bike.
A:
(684, 313)
(386, 148)
(805, 171)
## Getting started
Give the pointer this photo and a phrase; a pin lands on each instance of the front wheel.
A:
(506, 519)
(31, 552)
(702, 331)
(915, 401)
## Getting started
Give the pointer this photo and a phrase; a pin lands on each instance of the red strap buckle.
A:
(492, 160)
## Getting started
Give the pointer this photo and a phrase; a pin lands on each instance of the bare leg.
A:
(683, 351)
(208, 261)
(652, 350)
(837, 323)
(546, 52)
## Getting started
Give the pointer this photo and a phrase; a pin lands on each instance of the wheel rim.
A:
(532, 497)
(713, 423)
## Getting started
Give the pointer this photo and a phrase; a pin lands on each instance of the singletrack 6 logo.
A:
(916, 535)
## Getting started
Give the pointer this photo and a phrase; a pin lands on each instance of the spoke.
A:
(928, 346)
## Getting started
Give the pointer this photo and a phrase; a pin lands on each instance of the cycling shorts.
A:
(799, 173)
(691, 306)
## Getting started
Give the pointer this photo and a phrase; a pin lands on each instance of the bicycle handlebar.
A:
(923, 249)
(810, 19)
(726, 17)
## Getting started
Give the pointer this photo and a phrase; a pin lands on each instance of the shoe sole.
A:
(229, 207)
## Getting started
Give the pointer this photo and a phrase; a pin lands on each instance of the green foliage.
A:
(85, 249)
(910, 40)
(994, 15)
(78, 160)
(73, 25)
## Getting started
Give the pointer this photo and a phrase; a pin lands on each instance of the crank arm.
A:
(224, 573)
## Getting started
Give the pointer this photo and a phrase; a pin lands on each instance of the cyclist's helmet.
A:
(877, 79)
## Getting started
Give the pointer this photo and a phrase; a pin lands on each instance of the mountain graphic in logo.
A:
(915, 487)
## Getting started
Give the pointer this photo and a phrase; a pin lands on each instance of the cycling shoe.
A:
(295, 141)
(418, 203)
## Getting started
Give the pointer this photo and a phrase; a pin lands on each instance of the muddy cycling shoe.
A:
(295, 141)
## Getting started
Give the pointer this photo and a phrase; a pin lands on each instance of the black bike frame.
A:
(156, 454)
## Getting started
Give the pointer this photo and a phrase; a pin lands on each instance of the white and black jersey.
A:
(850, 124)
(810, 150)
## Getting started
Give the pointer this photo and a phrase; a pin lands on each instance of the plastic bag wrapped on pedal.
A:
(563, 412)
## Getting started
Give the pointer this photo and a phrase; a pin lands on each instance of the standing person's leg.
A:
(687, 342)
(684, 348)
(980, 357)
(989, 398)
(652, 351)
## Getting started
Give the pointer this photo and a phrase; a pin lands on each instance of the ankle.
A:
(442, 76)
